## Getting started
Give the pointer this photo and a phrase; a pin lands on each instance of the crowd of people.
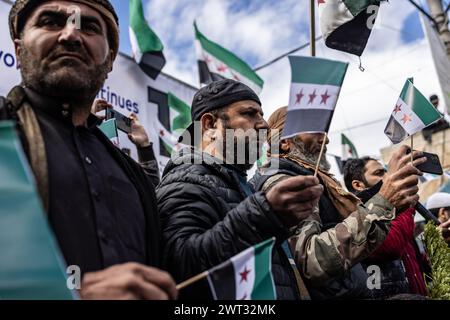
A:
(135, 235)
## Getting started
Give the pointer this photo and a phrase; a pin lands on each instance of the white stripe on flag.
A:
(135, 46)
(406, 117)
(217, 66)
(244, 268)
(313, 96)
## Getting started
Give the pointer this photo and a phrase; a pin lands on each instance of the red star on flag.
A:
(406, 118)
(398, 108)
(222, 68)
(320, 2)
(312, 97)
(244, 274)
(325, 98)
(300, 96)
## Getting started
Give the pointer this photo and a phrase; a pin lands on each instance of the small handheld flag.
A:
(412, 113)
(216, 63)
(316, 84)
(346, 24)
(246, 276)
(147, 47)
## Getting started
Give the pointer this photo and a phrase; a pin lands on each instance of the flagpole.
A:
(190, 281)
(312, 40)
(312, 34)
(412, 148)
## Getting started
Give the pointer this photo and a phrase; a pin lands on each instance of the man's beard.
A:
(299, 151)
(64, 80)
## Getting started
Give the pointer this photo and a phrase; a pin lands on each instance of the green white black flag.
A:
(346, 24)
(246, 276)
(216, 63)
(147, 47)
(316, 84)
(412, 113)
(180, 121)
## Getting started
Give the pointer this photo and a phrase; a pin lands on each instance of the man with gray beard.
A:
(100, 204)
(328, 246)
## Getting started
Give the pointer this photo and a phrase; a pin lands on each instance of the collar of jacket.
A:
(56, 108)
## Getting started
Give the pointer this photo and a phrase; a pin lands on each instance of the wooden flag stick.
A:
(320, 154)
(190, 281)
(412, 148)
(312, 32)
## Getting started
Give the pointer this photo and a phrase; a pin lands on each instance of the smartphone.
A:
(433, 165)
(123, 122)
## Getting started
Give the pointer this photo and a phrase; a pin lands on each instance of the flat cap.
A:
(22, 8)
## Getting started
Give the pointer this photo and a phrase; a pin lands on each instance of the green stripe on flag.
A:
(317, 71)
(419, 104)
(148, 41)
(264, 285)
(227, 57)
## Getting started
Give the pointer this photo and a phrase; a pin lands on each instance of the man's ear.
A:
(358, 185)
(285, 146)
(111, 60)
(208, 122)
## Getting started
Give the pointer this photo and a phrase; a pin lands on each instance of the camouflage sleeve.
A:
(322, 256)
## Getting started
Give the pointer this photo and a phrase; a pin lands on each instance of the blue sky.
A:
(259, 30)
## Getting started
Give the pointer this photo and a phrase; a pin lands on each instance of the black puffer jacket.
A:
(353, 283)
(207, 218)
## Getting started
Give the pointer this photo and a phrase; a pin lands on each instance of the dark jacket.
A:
(353, 283)
(144, 186)
(207, 217)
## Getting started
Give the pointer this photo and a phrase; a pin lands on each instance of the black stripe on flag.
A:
(395, 131)
(221, 281)
(207, 76)
(152, 63)
(307, 120)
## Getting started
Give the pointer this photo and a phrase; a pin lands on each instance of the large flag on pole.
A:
(147, 47)
(412, 113)
(216, 63)
(346, 24)
(246, 276)
(348, 148)
(316, 84)
(31, 266)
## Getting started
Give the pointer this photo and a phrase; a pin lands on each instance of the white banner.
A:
(127, 88)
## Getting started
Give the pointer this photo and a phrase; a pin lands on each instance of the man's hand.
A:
(444, 229)
(138, 134)
(295, 199)
(400, 184)
(100, 105)
(129, 281)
